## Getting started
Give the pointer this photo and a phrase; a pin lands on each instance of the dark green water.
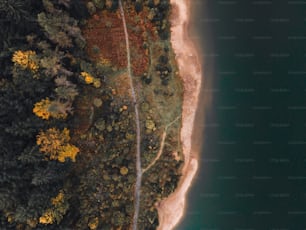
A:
(253, 164)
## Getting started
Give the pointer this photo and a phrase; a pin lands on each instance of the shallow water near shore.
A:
(252, 165)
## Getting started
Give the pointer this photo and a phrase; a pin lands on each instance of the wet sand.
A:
(171, 209)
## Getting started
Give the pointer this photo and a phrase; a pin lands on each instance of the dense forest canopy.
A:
(47, 176)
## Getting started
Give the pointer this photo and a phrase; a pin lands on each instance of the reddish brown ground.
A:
(106, 42)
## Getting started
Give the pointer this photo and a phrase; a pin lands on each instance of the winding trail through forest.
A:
(162, 143)
(138, 139)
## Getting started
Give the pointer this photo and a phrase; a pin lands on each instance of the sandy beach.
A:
(171, 209)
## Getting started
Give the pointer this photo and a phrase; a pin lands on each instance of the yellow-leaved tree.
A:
(89, 79)
(55, 144)
(56, 109)
(26, 60)
(57, 211)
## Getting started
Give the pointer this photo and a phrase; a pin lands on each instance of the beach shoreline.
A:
(172, 208)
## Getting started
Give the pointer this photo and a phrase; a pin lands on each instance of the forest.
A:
(67, 129)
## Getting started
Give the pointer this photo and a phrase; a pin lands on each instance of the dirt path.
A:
(138, 157)
(162, 143)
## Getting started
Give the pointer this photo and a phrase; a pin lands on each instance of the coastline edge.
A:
(171, 209)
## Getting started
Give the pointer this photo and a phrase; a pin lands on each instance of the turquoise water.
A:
(252, 167)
